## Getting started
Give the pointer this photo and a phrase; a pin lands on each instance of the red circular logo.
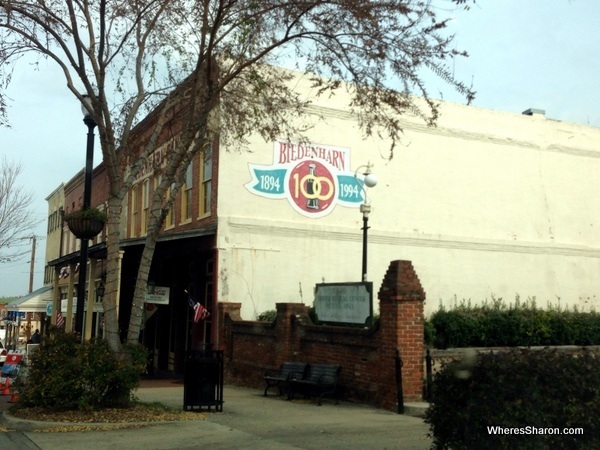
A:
(312, 187)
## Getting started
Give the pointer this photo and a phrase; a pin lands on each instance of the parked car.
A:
(3, 353)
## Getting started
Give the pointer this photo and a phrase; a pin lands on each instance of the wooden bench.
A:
(287, 371)
(321, 380)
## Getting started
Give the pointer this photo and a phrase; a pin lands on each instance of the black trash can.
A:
(203, 380)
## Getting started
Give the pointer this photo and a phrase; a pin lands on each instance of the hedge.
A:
(501, 325)
(532, 395)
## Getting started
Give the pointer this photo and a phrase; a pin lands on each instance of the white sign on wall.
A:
(344, 302)
(158, 295)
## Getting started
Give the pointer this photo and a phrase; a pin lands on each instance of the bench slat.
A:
(322, 378)
(288, 370)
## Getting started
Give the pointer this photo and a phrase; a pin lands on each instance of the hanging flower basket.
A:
(86, 223)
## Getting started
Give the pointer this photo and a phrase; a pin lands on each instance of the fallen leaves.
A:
(137, 413)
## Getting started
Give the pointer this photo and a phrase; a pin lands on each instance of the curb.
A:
(415, 409)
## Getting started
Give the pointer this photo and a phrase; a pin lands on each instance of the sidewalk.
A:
(251, 421)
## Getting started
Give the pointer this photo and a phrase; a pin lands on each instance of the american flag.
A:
(60, 320)
(200, 312)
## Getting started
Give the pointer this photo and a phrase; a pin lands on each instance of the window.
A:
(145, 205)
(54, 220)
(186, 195)
(206, 186)
(170, 220)
(134, 212)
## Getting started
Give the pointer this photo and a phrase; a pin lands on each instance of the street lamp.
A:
(86, 107)
(100, 290)
(369, 181)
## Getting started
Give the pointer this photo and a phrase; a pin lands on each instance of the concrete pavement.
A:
(248, 421)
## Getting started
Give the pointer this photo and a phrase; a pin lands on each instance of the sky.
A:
(522, 54)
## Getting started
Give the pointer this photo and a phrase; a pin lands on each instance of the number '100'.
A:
(317, 187)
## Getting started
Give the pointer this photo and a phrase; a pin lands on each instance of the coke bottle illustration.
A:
(313, 202)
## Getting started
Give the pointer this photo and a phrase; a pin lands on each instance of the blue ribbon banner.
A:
(351, 190)
(268, 182)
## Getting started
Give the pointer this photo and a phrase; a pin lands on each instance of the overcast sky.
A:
(523, 54)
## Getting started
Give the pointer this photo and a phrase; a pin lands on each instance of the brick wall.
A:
(367, 356)
(176, 125)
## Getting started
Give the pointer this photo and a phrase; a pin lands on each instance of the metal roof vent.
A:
(534, 111)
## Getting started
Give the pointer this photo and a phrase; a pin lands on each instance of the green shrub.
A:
(65, 374)
(86, 213)
(518, 324)
(429, 333)
(268, 316)
(526, 390)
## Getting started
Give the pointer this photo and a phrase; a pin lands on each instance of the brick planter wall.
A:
(367, 356)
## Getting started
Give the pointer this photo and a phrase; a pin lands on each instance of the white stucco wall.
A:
(487, 203)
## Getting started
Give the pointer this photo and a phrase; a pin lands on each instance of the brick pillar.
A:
(226, 310)
(286, 347)
(401, 299)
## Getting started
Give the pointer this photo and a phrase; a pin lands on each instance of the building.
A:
(486, 204)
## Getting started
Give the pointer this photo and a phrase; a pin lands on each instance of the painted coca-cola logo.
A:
(314, 178)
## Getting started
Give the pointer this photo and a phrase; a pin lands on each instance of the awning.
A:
(37, 301)
(34, 302)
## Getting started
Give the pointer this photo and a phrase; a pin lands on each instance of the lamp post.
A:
(369, 181)
(87, 195)
(100, 290)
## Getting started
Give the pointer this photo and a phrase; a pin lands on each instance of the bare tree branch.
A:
(16, 219)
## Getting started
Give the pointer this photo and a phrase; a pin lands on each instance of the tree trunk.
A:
(141, 285)
(109, 302)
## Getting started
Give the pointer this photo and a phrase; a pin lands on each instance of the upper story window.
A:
(134, 212)
(145, 205)
(55, 220)
(186, 195)
(170, 220)
(206, 182)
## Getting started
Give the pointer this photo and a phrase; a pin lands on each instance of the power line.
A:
(12, 264)
(20, 273)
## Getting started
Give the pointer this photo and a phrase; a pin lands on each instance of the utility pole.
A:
(32, 263)
(31, 270)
